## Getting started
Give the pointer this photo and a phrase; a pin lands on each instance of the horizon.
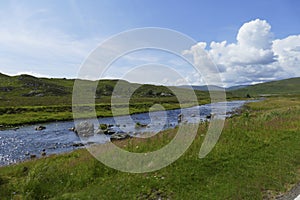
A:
(114, 79)
(253, 44)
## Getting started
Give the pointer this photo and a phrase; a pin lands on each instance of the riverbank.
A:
(257, 155)
(18, 116)
(59, 137)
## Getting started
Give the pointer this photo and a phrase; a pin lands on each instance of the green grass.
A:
(257, 152)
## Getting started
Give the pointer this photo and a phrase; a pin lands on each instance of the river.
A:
(18, 145)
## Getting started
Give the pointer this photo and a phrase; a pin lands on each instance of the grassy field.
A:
(257, 156)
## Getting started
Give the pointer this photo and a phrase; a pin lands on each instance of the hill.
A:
(281, 87)
(203, 87)
(27, 90)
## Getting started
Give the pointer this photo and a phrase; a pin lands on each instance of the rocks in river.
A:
(109, 132)
(103, 126)
(105, 129)
(140, 125)
(72, 129)
(210, 116)
(99, 131)
(39, 128)
(119, 136)
(179, 118)
(85, 129)
(79, 144)
(32, 156)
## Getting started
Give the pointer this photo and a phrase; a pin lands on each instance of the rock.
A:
(32, 156)
(15, 128)
(43, 153)
(39, 128)
(78, 144)
(109, 132)
(139, 125)
(85, 129)
(99, 131)
(180, 118)
(210, 116)
(27, 153)
(119, 136)
(103, 126)
(193, 115)
(72, 129)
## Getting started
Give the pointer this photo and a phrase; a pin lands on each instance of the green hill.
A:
(26, 90)
(281, 87)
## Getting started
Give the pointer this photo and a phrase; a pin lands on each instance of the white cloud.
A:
(255, 57)
(288, 52)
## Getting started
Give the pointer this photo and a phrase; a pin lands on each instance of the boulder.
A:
(109, 131)
(179, 118)
(32, 156)
(119, 136)
(72, 129)
(99, 131)
(103, 126)
(85, 129)
(78, 144)
(39, 128)
(140, 125)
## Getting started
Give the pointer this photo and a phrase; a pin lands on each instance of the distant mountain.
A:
(286, 86)
(203, 87)
(236, 87)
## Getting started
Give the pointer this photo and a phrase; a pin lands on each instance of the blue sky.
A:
(53, 38)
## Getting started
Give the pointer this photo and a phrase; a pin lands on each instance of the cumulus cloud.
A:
(255, 56)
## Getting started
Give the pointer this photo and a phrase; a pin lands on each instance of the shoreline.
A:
(71, 118)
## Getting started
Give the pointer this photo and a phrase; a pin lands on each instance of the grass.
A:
(258, 154)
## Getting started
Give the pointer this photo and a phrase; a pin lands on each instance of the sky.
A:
(248, 41)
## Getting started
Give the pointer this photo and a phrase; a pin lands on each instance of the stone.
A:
(119, 136)
(179, 118)
(78, 144)
(85, 129)
(99, 131)
(32, 156)
(39, 128)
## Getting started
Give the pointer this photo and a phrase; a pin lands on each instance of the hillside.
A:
(281, 87)
(26, 90)
(26, 99)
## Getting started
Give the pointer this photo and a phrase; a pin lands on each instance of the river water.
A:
(18, 145)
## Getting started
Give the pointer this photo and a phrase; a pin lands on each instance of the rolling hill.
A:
(282, 87)
(25, 89)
